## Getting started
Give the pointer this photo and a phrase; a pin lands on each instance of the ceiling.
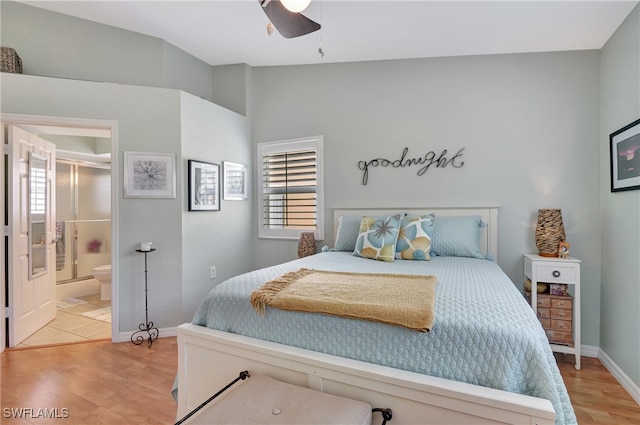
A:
(234, 31)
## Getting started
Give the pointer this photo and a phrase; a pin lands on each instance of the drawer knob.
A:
(556, 273)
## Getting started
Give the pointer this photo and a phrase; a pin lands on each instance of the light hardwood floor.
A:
(104, 383)
(596, 395)
(98, 382)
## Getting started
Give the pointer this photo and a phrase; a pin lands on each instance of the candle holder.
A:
(147, 327)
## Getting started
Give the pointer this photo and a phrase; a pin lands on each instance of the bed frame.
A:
(208, 359)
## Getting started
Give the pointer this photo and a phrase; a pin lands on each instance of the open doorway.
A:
(84, 228)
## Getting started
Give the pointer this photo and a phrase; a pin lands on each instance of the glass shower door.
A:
(84, 205)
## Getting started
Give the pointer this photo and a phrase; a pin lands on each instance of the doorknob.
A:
(55, 240)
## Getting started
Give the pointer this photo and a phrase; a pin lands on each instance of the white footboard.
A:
(209, 359)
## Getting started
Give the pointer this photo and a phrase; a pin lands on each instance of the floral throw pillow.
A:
(414, 238)
(377, 238)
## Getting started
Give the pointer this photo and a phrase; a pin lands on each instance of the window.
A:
(290, 195)
(38, 185)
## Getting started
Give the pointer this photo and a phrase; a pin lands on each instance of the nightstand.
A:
(558, 314)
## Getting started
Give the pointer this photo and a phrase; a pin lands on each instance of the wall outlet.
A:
(212, 272)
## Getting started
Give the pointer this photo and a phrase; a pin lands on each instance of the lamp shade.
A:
(307, 244)
(295, 5)
(549, 232)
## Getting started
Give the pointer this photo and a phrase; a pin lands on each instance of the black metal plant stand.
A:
(147, 326)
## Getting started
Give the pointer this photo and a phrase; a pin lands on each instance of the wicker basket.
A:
(10, 61)
(307, 244)
(549, 232)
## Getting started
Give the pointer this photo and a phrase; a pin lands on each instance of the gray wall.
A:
(232, 87)
(528, 123)
(620, 105)
(211, 133)
(156, 120)
(148, 120)
(56, 45)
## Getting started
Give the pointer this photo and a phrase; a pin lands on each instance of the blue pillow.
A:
(377, 238)
(348, 230)
(457, 236)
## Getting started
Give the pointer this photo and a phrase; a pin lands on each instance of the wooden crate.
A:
(555, 313)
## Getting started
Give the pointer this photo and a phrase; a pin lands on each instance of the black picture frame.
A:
(203, 186)
(624, 152)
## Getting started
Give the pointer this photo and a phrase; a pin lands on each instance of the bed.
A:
(486, 360)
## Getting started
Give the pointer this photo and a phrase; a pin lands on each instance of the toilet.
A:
(103, 275)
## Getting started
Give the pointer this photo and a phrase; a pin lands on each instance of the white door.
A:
(31, 248)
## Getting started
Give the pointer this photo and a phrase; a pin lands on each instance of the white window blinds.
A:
(291, 188)
(38, 190)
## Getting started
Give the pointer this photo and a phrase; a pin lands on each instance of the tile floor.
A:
(78, 319)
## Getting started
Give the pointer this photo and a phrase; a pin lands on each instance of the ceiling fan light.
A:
(295, 5)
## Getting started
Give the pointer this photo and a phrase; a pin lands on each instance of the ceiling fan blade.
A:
(289, 24)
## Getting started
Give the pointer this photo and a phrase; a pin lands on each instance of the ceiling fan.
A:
(289, 23)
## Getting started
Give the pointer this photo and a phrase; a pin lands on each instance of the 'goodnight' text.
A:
(429, 159)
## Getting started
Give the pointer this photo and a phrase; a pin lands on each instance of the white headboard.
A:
(488, 236)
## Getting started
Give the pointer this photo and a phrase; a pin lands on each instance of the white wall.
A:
(620, 105)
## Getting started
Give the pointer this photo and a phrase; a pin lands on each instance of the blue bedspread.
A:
(484, 332)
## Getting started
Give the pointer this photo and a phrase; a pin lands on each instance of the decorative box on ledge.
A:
(10, 61)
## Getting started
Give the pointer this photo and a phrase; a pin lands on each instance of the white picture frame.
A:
(235, 181)
(149, 175)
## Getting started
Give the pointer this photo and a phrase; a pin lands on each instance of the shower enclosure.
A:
(83, 219)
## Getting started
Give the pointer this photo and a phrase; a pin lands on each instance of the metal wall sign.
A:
(428, 160)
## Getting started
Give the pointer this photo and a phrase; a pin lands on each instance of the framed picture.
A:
(625, 158)
(149, 175)
(204, 186)
(235, 181)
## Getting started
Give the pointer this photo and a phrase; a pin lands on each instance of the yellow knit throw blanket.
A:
(396, 299)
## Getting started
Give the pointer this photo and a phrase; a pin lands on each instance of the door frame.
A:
(79, 123)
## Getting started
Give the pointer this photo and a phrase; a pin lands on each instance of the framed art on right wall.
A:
(625, 157)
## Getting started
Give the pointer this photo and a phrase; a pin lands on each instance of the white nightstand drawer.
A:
(555, 273)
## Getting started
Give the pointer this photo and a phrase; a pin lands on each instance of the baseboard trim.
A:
(162, 333)
(621, 377)
(589, 351)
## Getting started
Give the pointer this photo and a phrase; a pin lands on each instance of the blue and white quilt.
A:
(484, 333)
